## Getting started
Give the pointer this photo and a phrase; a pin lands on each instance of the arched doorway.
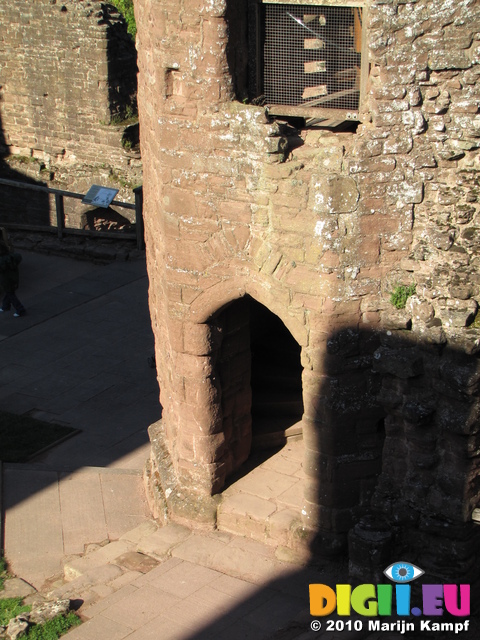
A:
(260, 378)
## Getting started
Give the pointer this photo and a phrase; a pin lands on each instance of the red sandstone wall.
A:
(320, 235)
(66, 69)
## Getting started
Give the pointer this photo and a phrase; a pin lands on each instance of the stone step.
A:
(262, 520)
(137, 550)
(275, 432)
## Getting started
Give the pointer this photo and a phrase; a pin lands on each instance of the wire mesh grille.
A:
(312, 55)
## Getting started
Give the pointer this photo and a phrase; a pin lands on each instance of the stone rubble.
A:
(40, 613)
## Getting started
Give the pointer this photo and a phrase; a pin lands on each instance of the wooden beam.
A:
(350, 115)
(357, 18)
(324, 3)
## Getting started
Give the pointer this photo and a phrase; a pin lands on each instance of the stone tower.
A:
(309, 211)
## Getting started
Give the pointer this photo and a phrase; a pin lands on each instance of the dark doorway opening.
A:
(276, 380)
(259, 380)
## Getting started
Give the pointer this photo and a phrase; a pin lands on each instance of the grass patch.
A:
(53, 629)
(23, 436)
(50, 630)
(126, 8)
(128, 115)
(3, 572)
(400, 295)
(11, 607)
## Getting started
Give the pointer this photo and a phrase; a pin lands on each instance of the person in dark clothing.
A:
(9, 279)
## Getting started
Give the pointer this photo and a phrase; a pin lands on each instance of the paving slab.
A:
(289, 466)
(200, 612)
(247, 505)
(185, 579)
(33, 537)
(136, 562)
(78, 566)
(124, 502)
(240, 557)
(142, 531)
(100, 628)
(243, 564)
(164, 629)
(234, 587)
(140, 607)
(293, 496)
(81, 503)
(200, 549)
(105, 603)
(16, 588)
(264, 483)
(160, 543)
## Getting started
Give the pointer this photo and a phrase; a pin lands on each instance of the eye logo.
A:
(403, 572)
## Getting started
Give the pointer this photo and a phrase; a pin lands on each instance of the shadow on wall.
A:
(122, 66)
(391, 439)
(390, 430)
(394, 440)
(100, 219)
(18, 205)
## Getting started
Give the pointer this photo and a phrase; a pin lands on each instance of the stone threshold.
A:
(266, 503)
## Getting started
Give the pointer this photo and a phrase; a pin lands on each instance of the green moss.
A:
(476, 322)
(11, 607)
(400, 295)
(53, 629)
(22, 159)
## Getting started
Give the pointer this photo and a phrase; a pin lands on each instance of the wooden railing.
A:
(60, 213)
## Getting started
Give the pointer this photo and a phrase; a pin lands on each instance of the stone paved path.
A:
(65, 512)
(203, 585)
(79, 357)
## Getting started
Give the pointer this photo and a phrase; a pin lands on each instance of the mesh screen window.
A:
(312, 55)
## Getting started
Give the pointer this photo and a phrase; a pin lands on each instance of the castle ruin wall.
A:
(320, 226)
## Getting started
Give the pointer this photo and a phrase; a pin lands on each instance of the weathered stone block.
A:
(333, 194)
(441, 59)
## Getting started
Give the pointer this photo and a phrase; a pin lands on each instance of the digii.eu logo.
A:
(383, 600)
